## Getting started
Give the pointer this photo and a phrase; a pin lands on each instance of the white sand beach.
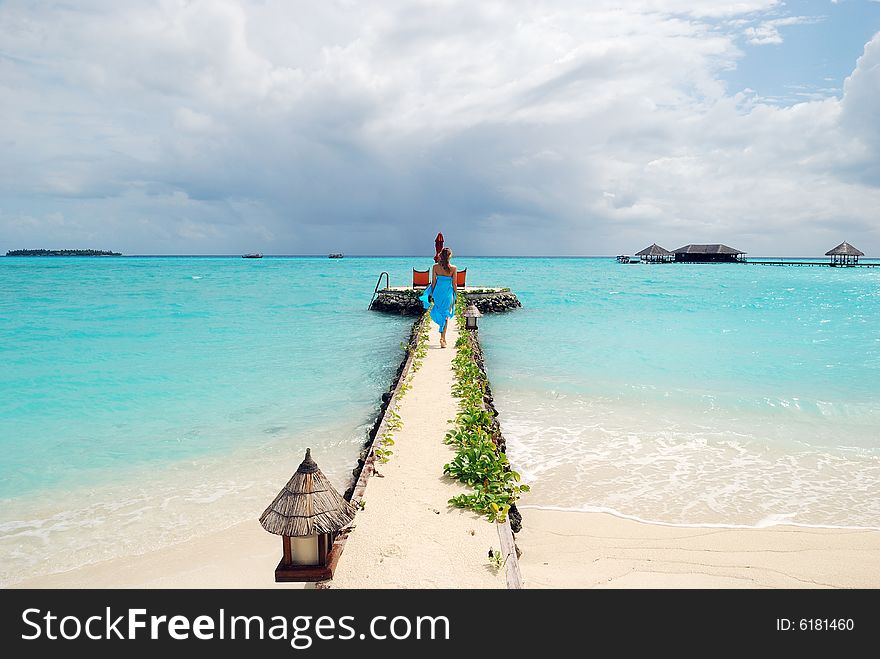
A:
(598, 550)
(560, 550)
(243, 556)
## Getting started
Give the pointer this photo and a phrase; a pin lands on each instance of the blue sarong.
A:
(442, 293)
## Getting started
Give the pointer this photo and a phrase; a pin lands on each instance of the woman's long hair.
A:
(443, 258)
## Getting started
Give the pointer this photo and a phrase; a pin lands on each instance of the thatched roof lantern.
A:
(470, 316)
(844, 254)
(307, 514)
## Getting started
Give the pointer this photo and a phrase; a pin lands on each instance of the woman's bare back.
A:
(440, 270)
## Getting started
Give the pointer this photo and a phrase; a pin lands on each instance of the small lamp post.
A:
(308, 514)
(470, 316)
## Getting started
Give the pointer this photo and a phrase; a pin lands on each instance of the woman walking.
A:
(442, 290)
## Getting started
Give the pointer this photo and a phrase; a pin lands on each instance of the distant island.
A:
(61, 252)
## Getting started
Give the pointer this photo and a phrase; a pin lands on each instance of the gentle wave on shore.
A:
(729, 395)
(651, 464)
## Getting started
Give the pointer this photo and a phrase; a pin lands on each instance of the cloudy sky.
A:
(514, 126)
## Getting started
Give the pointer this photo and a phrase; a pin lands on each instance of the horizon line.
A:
(393, 256)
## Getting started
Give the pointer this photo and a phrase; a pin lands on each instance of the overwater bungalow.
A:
(708, 254)
(655, 254)
(844, 254)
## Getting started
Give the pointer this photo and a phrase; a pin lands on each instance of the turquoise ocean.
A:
(147, 400)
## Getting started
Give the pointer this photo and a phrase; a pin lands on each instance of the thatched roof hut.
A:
(707, 249)
(844, 253)
(655, 254)
(307, 505)
(844, 248)
(707, 254)
(654, 250)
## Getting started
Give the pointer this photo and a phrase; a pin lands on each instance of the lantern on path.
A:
(470, 316)
(308, 514)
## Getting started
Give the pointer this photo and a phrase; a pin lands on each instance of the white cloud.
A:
(210, 127)
(767, 32)
(860, 108)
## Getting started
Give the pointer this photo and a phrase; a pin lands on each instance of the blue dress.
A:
(442, 293)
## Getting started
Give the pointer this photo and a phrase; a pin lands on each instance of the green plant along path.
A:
(478, 461)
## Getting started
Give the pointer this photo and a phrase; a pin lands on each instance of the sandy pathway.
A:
(407, 536)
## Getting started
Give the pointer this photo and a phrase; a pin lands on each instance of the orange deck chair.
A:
(421, 278)
(459, 278)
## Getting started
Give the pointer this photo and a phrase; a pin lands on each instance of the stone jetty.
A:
(405, 301)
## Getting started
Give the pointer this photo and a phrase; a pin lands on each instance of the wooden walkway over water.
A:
(815, 263)
(821, 264)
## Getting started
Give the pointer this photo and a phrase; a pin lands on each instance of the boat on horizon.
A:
(252, 256)
(336, 255)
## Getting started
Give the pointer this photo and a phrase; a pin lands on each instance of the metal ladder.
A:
(376, 290)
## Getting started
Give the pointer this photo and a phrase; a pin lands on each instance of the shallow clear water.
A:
(692, 394)
(144, 400)
(147, 400)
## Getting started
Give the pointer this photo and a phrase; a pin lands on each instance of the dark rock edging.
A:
(383, 406)
(494, 302)
(407, 302)
(513, 515)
